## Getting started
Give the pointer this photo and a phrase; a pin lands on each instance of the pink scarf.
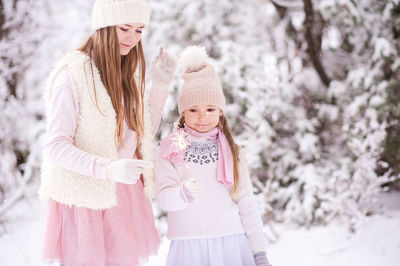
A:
(175, 145)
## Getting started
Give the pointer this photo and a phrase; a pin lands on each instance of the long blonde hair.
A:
(118, 77)
(225, 128)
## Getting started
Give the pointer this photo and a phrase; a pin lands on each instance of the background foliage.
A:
(312, 86)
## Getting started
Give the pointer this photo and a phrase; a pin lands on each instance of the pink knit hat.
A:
(201, 84)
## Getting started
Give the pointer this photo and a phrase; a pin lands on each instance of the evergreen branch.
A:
(20, 191)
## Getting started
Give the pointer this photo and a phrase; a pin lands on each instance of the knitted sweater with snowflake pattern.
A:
(213, 213)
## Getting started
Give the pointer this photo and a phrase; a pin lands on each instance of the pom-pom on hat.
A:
(201, 85)
(113, 12)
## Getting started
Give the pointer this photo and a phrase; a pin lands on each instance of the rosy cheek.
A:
(137, 37)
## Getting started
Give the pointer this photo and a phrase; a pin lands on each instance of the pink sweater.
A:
(61, 125)
(212, 213)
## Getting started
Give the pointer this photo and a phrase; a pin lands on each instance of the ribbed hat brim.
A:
(123, 12)
(201, 97)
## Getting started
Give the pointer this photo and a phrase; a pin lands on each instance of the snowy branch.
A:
(288, 4)
(20, 191)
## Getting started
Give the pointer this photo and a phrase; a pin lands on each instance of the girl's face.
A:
(128, 36)
(202, 118)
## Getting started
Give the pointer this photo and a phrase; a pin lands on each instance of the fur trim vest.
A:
(95, 133)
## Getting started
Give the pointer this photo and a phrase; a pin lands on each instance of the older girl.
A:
(97, 167)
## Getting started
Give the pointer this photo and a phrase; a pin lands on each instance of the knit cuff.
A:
(261, 259)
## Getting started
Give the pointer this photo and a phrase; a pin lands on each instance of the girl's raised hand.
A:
(162, 69)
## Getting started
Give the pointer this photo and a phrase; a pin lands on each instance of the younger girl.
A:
(202, 181)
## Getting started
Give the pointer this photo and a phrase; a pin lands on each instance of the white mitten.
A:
(193, 187)
(162, 69)
(126, 171)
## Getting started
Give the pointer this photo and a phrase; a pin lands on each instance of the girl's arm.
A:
(251, 216)
(61, 125)
(171, 194)
(162, 69)
(157, 99)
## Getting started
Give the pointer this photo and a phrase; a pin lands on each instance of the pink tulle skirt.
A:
(122, 235)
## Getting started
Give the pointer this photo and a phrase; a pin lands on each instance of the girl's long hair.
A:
(118, 77)
(224, 126)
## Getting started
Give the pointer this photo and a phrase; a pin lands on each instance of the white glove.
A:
(126, 171)
(162, 69)
(193, 187)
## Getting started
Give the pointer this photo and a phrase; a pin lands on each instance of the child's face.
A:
(202, 118)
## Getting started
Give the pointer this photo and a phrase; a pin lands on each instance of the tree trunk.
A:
(2, 19)
(313, 49)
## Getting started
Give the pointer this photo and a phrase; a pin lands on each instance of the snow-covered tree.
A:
(33, 34)
(306, 83)
(21, 115)
(312, 90)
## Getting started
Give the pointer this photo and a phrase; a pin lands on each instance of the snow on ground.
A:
(375, 242)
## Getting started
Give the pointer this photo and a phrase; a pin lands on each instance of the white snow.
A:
(376, 240)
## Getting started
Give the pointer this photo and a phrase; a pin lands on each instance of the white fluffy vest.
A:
(94, 134)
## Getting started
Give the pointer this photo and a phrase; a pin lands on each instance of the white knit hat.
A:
(113, 12)
(201, 84)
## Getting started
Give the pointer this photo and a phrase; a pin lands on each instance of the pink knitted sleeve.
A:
(170, 192)
(156, 104)
(61, 125)
(249, 212)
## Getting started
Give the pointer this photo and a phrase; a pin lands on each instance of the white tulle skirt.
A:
(233, 250)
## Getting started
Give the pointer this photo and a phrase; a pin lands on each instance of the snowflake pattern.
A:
(202, 152)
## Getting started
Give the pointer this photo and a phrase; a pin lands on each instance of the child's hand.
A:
(162, 69)
(126, 171)
(261, 259)
(193, 186)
